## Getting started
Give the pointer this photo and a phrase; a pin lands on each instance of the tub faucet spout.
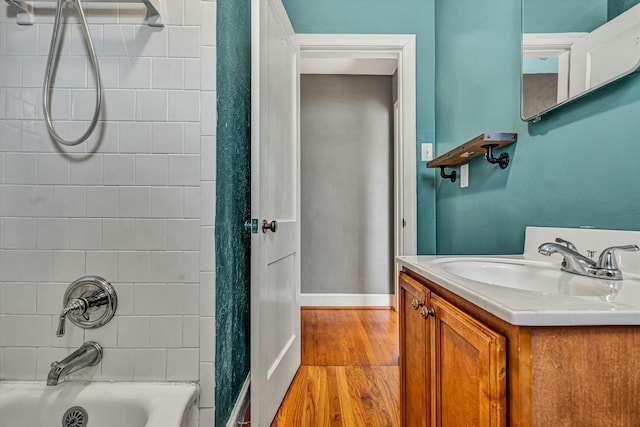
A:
(89, 354)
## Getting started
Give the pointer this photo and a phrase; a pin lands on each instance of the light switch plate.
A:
(464, 176)
(427, 151)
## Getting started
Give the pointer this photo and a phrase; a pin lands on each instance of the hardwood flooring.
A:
(349, 374)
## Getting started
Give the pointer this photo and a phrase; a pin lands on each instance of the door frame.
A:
(402, 49)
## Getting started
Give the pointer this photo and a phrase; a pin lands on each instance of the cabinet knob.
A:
(426, 312)
(416, 304)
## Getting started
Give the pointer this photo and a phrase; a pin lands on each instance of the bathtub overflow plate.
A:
(75, 417)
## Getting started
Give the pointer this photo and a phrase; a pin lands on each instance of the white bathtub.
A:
(118, 404)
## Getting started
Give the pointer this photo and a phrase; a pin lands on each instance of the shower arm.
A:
(25, 11)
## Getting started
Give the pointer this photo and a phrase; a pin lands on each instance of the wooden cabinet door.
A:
(415, 365)
(468, 368)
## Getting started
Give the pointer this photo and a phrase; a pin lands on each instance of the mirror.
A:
(573, 47)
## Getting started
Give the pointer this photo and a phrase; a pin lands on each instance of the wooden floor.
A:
(349, 374)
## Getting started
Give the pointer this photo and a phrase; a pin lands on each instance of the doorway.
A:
(346, 187)
(275, 286)
(336, 58)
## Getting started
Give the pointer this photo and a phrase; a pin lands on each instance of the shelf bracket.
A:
(451, 176)
(25, 11)
(502, 161)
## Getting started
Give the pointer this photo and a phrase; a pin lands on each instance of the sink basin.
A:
(530, 276)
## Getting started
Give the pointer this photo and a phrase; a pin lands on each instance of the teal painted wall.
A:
(388, 17)
(540, 66)
(553, 16)
(577, 167)
(616, 7)
(233, 78)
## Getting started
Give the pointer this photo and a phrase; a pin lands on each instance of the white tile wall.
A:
(150, 364)
(151, 169)
(167, 138)
(117, 364)
(135, 204)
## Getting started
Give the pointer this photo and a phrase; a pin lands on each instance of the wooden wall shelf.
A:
(472, 149)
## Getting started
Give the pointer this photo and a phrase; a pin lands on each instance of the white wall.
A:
(346, 168)
(134, 205)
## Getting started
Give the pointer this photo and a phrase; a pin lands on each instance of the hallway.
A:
(349, 374)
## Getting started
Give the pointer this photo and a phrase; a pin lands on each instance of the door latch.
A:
(251, 225)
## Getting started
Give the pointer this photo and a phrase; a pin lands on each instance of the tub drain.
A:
(75, 417)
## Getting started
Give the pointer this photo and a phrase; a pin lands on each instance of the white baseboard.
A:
(240, 408)
(347, 300)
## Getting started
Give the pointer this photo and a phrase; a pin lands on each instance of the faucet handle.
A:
(89, 302)
(75, 306)
(607, 258)
(567, 244)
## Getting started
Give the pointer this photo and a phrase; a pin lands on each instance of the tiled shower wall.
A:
(134, 205)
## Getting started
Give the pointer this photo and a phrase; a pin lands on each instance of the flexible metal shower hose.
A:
(48, 76)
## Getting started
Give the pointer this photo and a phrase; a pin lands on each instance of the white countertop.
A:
(620, 306)
(526, 308)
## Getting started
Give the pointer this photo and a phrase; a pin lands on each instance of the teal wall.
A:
(233, 78)
(616, 7)
(540, 66)
(553, 16)
(388, 17)
(577, 167)
(558, 16)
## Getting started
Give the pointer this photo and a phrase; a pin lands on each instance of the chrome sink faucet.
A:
(576, 263)
(89, 354)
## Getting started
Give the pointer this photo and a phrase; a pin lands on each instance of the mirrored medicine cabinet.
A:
(573, 47)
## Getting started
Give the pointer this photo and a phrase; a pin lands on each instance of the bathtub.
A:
(31, 404)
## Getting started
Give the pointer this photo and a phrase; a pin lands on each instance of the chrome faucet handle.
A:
(567, 244)
(89, 302)
(607, 260)
(77, 306)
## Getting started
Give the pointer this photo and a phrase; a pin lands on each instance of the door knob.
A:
(266, 225)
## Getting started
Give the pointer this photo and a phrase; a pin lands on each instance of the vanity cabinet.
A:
(453, 367)
(468, 378)
(415, 365)
(462, 366)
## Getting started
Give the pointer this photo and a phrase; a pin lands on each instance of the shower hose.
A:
(55, 40)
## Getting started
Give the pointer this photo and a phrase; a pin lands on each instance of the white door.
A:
(607, 53)
(275, 251)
